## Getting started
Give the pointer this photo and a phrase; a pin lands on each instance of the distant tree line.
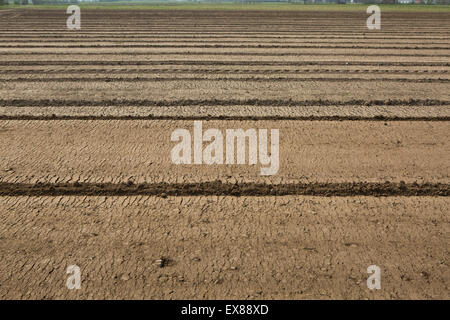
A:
(39, 2)
(368, 1)
(25, 2)
(53, 1)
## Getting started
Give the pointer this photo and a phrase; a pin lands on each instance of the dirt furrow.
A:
(250, 79)
(232, 112)
(218, 102)
(46, 45)
(218, 63)
(222, 53)
(125, 71)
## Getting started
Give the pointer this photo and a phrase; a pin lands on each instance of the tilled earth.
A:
(224, 247)
(86, 176)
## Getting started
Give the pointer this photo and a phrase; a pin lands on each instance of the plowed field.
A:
(86, 176)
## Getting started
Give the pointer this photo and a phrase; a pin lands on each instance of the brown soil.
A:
(86, 176)
(217, 102)
(292, 247)
(218, 188)
(100, 151)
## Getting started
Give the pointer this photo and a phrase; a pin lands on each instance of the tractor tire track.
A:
(218, 102)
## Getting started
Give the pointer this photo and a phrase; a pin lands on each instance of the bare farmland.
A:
(86, 177)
